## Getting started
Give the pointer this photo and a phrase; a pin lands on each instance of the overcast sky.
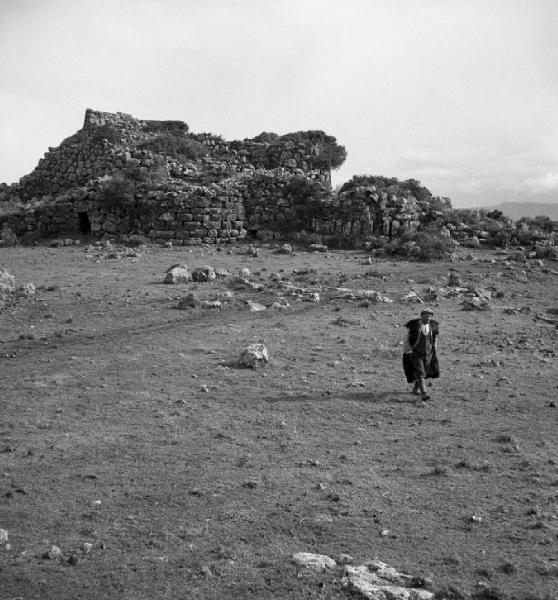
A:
(460, 94)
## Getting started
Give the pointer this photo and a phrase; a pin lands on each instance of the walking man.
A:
(420, 361)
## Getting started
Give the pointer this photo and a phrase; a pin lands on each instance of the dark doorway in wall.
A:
(84, 224)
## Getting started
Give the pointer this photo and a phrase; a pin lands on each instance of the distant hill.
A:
(516, 210)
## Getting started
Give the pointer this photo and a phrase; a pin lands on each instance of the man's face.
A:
(425, 317)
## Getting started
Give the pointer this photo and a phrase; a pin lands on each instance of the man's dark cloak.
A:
(433, 371)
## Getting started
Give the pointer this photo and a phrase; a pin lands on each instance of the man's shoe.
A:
(425, 397)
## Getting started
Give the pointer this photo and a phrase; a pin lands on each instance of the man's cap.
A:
(427, 310)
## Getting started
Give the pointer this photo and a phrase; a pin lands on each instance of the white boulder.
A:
(253, 356)
(177, 274)
(317, 562)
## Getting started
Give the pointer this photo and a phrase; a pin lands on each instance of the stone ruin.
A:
(116, 177)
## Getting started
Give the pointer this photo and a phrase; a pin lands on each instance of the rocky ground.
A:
(139, 460)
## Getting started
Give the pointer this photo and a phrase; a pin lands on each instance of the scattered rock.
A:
(245, 273)
(203, 274)
(177, 274)
(254, 306)
(476, 303)
(471, 242)
(7, 283)
(317, 248)
(53, 553)
(285, 249)
(475, 519)
(378, 581)
(253, 356)
(316, 562)
(243, 283)
(412, 298)
(344, 322)
(453, 279)
(305, 271)
(213, 304)
(226, 296)
(219, 272)
(311, 297)
(372, 295)
(281, 303)
(189, 301)
(3, 536)
(251, 484)
(517, 256)
(477, 299)
(206, 572)
(27, 290)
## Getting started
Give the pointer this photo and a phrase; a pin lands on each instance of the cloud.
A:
(417, 155)
(540, 185)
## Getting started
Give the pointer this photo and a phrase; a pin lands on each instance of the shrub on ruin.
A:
(323, 150)
(307, 199)
(378, 181)
(266, 137)
(403, 188)
(176, 146)
(502, 238)
(533, 230)
(529, 237)
(543, 223)
(108, 133)
(7, 236)
(422, 193)
(377, 242)
(118, 191)
(152, 176)
(421, 245)
(10, 207)
(174, 127)
(331, 156)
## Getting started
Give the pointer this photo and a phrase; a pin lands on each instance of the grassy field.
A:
(132, 442)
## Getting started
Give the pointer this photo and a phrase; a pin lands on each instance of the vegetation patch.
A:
(7, 236)
(174, 127)
(106, 132)
(176, 146)
(422, 245)
(327, 153)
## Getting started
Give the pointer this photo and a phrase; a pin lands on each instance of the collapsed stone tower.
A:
(119, 175)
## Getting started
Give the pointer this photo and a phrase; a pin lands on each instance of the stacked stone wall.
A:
(178, 211)
(223, 158)
(68, 166)
(181, 213)
(121, 121)
(228, 158)
(367, 211)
